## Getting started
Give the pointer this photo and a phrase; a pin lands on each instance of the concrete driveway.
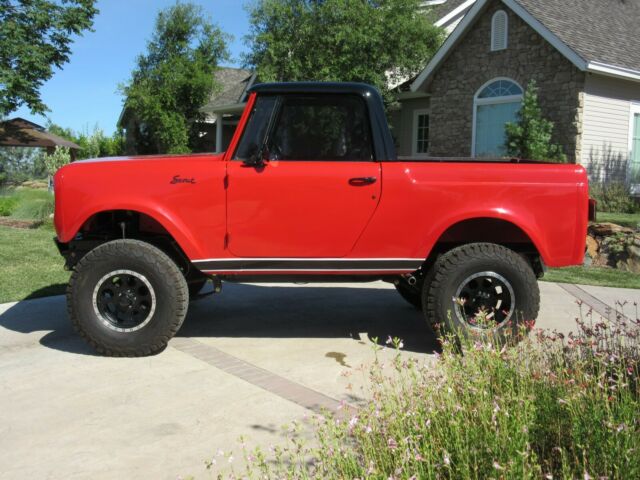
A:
(245, 363)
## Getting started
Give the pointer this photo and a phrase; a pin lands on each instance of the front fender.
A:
(193, 211)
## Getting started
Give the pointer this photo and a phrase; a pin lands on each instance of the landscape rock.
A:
(599, 249)
(607, 229)
(592, 246)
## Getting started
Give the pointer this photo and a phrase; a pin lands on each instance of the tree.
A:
(35, 37)
(378, 42)
(58, 158)
(93, 144)
(530, 136)
(174, 79)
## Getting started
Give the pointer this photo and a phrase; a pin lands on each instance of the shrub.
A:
(56, 160)
(530, 136)
(7, 205)
(613, 197)
(552, 407)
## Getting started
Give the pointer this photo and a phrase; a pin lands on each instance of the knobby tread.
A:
(155, 258)
(456, 258)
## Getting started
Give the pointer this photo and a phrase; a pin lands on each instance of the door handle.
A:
(362, 181)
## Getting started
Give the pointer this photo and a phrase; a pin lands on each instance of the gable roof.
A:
(235, 82)
(450, 11)
(595, 35)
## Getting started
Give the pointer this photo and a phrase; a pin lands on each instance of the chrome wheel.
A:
(124, 300)
(484, 300)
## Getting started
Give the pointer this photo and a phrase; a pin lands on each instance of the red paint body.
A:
(301, 210)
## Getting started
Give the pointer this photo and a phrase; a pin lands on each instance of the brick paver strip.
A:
(591, 301)
(280, 386)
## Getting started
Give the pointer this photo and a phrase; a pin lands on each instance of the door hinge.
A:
(226, 240)
(225, 181)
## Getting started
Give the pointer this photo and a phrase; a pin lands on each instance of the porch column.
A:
(219, 129)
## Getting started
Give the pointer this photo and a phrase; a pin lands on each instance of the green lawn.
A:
(31, 266)
(606, 277)
(631, 220)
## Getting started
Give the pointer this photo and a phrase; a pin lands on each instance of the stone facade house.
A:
(584, 56)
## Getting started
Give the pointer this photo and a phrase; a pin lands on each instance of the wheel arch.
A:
(137, 224)
(486, 229)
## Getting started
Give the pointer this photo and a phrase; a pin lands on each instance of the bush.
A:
(7, 205)
(552, 407)
(613, 197)
(530, 136)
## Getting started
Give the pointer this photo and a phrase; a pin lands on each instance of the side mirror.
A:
(258, 157)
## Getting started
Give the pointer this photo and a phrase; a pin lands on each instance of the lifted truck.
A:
(311, 189)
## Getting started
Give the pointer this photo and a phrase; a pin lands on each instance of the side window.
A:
(256, 128)
(321, 127)
(420, 132)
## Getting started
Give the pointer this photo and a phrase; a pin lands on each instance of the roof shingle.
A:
(604, 31)
(234, 82)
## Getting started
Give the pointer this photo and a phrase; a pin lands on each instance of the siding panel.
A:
(605, 127)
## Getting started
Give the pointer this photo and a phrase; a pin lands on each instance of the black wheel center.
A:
(484, 300)
(124, 300)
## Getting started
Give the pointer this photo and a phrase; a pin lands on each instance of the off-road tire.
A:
(452, 268)
(162, 273)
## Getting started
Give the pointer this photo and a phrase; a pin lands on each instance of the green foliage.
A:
(174, 79)
(530, 136)
(57, 159)
(618, 243)
(613, 197)
(552, 407)
(7, 206)
(35, 38)
(341, 40)
(18, 164)
(93, 144)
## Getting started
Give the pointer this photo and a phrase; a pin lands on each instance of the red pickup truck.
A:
(311, 189)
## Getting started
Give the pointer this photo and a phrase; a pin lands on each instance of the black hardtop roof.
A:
(316, 87)
(382, 139)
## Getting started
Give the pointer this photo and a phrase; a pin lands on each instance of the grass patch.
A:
(552, 407)
(26, 204)
(599, 276)
(631, 220)
(31, 264)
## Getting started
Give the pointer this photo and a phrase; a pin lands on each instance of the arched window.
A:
(496, 103)
(499, 30)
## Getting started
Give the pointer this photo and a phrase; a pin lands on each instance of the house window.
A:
(496, 103)
(499, 30)
(420, 132)
(634, 150)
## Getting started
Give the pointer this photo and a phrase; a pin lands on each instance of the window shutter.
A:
(499, 28)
